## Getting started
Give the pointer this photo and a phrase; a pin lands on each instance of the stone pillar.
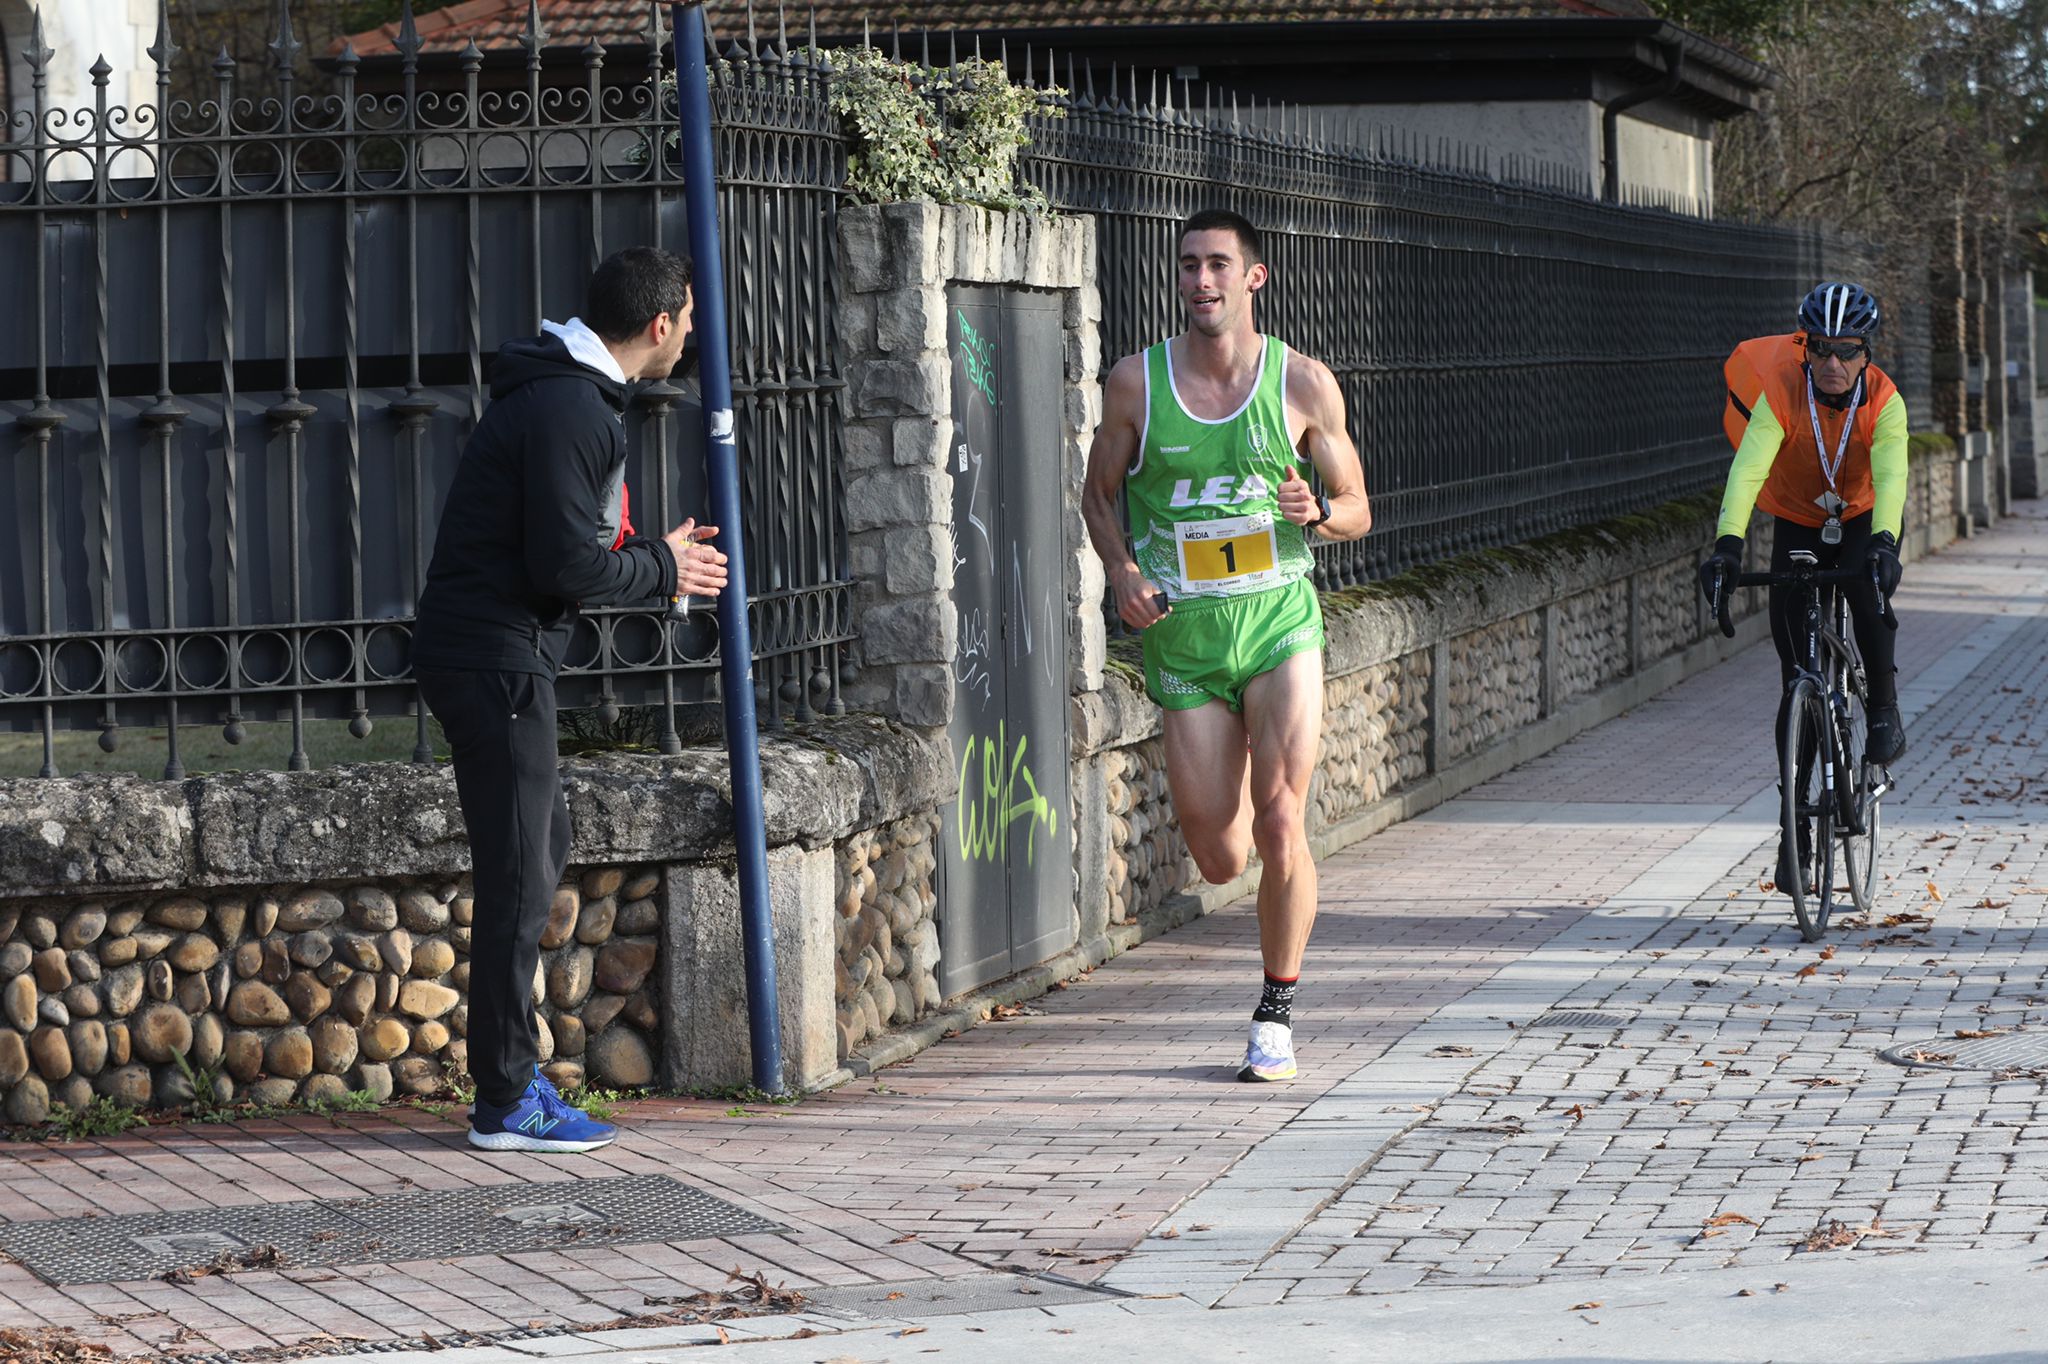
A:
(1945, 331)
(896, 263)
(706, 1040)
(2028, 450)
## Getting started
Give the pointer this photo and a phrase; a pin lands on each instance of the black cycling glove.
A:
(1883, 555)
(1722, 565)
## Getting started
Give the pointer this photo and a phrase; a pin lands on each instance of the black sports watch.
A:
(1323, 506)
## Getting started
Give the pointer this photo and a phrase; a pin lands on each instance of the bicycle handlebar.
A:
(1802, 577)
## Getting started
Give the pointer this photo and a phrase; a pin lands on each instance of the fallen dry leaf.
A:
(1576, 1112)
(1817, 1082)
(1980, 1032)
(1827, 953)
(1170, 1234)
(1582, 1307)
(1988, 903)
(1745, 1292)
(1808, 970)
(909, 1331)
(1729, 1219)
(1451, 1049)
(1931, 1058)
(1833, 1236)
(904, 1239)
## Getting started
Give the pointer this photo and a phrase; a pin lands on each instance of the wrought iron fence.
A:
(238, 382)
(1516, 357)
(250, 369)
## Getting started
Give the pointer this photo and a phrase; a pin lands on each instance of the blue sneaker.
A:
(541, 1120)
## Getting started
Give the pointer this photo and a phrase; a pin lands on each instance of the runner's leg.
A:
(1284, 711)
(1207, 774)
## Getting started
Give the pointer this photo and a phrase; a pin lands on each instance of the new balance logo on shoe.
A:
(538, 1124)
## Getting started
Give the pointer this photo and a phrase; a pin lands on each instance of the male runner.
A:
(1204, 434)
(1820, 436)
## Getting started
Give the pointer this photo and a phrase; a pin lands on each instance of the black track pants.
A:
(501, 728)
(1874, 639)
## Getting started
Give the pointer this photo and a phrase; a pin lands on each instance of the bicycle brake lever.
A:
(1884, 603)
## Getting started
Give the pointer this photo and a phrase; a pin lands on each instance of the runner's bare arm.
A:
(1109, 459)
(1312, 392)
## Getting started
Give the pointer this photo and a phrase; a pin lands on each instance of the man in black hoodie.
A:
(531, 530)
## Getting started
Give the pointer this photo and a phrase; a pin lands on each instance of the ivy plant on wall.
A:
(944, 133)
(947, 134)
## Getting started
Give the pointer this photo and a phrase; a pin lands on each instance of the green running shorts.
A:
(1209, 648)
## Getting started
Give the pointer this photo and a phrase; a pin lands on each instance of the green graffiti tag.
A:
(980, 354)
(987, 809)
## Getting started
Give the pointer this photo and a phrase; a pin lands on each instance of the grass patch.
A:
(103, 1117)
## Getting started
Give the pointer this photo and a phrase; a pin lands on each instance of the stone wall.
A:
(885, 934)
(1374, 735)
(301, 993)
(136, 925)
(1932, 504)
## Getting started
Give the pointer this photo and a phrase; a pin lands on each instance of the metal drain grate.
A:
(2007, 1051)
(952, 1297)
(443, 1224)
(1581, 1018)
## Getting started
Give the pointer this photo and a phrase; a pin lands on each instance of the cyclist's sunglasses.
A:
(1819, 348)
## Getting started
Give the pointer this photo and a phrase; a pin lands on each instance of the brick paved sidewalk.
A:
(1063, 1138)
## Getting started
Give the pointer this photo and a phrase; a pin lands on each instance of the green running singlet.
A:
(1206, 527)
(1204, 495)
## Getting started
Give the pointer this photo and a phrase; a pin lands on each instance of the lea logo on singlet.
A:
(1222, 491)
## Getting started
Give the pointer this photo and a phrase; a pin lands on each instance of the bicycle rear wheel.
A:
(1859, 826)
(1806, 820)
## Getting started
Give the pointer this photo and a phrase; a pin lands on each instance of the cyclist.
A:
(1820, 437)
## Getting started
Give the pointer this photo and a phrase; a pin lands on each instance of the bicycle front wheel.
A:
(1806, 821)
(1860, 809)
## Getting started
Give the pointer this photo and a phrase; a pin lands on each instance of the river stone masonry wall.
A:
(303, 993)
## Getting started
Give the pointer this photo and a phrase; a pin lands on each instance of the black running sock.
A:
(1276, 1001)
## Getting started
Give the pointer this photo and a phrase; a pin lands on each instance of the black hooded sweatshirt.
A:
(527, 533)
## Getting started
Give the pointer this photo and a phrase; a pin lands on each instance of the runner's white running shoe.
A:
(1269, 1055)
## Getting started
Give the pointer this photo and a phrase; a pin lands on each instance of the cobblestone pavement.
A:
(1098, 1134)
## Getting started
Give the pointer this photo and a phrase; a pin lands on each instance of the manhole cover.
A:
(952, 1297)
(2006, 1051)
(438, 1225)
(1580, 1018)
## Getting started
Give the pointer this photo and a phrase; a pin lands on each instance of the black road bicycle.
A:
(1829, 789)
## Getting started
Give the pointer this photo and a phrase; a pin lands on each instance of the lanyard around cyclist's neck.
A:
(1829, 469)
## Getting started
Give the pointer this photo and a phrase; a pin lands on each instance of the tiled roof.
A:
(494, 25)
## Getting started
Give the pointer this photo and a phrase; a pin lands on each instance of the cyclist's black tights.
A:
(1788, 612)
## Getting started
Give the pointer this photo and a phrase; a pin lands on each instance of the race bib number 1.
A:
(1230, 554)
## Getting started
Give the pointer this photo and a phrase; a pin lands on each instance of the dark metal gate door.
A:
(1007, 885)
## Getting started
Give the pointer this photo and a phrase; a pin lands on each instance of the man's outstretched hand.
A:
(700, 569)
